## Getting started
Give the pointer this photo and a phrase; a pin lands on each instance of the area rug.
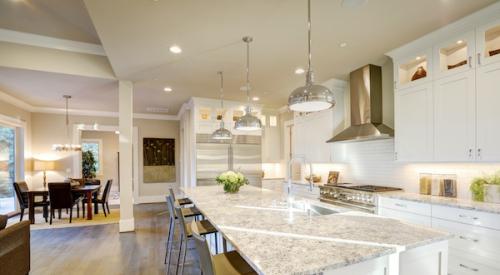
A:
(97, 219)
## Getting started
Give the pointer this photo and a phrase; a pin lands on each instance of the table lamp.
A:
(44, 165)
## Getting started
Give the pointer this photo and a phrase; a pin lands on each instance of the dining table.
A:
(88, 191)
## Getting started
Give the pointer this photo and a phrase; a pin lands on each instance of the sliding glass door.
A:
(7, 169)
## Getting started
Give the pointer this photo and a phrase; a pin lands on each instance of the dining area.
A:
(63, 198)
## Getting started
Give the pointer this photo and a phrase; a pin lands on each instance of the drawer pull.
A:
(469, 217)
(400, 205)
(468, 239)
(469, 268)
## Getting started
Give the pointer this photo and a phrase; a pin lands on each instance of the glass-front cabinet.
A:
(454, 55)
(488, 43)
(414, 69)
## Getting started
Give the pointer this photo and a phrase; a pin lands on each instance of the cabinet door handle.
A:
(469, 268)
(479, 58)
(468, 239)
(470, 153)
(468, 217)
(470, 61)
(479, 152)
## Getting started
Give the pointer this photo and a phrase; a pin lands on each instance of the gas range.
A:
(358, 197)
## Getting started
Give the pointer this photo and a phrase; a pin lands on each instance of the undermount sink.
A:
(313, 210)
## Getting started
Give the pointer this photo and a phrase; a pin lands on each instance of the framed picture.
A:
(333, 177)
(159, 160)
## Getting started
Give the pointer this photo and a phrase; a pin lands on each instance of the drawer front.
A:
(407, 206)
(405, 216)
(477, 218)
(480, 241)
(465, 264)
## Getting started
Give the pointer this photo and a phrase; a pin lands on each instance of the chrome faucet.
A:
(290, 162)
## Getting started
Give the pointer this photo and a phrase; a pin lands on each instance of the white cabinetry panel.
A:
(454, 117)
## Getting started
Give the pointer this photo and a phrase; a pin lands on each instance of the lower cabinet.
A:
(475, 245)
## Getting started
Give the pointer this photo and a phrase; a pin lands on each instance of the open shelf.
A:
(492, 42)
(453, 56)
(408, 70)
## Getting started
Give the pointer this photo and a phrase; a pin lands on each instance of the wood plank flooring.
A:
(101, 249)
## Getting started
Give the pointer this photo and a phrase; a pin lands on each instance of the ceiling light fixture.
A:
(175, 49)
(418, 58)
(255, 98)
(460, 42)
(311, 97)
(248, 122)
(299, 71)
(343, 44)
(68, 147)
(222, 133)
(167, 89)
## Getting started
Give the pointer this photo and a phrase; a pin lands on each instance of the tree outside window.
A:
(95, 148)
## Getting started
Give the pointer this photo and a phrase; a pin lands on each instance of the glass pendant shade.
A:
(310, 97)
(248, 122)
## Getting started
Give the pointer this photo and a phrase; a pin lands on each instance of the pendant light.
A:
(248, 122)
(222, 133)
(311, 97)
(68, 147)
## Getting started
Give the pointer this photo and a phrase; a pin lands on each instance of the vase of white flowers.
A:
(232, 181)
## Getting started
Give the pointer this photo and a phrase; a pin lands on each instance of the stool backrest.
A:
(206, 264)
(172, 194)
(171, 210)
(60, 195)
(182, 222)
(22, 197)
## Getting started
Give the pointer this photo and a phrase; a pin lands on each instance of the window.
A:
(94, 146)
(7, 169)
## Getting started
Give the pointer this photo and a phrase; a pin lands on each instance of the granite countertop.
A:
(437, 200)
(276, 238)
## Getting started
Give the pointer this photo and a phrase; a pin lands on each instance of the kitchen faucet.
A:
(290, 162)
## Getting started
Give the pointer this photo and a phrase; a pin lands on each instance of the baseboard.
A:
(151, 199)
(127, 225)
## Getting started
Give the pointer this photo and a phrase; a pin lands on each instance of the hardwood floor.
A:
(102, 250)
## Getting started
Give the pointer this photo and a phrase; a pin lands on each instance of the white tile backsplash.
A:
(372, 162)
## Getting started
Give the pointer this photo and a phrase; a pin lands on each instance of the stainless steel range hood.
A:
(366, 107)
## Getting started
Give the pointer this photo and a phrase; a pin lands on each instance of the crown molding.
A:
(16, 102)
(50, 42)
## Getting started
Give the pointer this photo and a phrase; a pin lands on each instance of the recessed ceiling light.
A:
(167, 89)
(300, 71)
(418, 58)
(175, 49)
(460, 42)
(255, 98)
(117, 132)
(343, 44)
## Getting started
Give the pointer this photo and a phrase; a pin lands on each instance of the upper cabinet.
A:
(488, 43)
(454, 98)
(310, 133)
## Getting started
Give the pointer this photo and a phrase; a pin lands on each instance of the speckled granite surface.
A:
(452, 202)
(277, 236)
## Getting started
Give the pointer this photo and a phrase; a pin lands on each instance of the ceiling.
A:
(136, 36)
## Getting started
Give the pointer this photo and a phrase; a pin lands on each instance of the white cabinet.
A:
(454, 117)
(408, 211)
(310, 133)
(488, 112)
(413, 120)
(454, 55)
(488, 43)
(271, 149)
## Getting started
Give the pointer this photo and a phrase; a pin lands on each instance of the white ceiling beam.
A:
(50, 42)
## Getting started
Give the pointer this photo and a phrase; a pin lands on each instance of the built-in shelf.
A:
(453, 56)
(408, 69)
(492, 41)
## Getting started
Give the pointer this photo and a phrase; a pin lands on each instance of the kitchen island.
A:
(278, 234)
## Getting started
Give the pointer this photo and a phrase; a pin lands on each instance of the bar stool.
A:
(203, 228)
(182, 201)
(221, 264)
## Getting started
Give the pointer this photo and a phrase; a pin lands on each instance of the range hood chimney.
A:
(366, 107)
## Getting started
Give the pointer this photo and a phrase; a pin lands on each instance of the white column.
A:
(125, 90)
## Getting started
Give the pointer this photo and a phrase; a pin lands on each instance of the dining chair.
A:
(203, 227)
(181, 201)
(103, 199)
(61, 197)
(21, 189)
(220, 264)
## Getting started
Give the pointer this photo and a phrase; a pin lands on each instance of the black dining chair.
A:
(21, 189)
(103, 199)
(61, 197)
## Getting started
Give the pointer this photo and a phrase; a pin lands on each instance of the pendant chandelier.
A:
(248, 122)
(311, 97)
(222, 133)
(68, 147)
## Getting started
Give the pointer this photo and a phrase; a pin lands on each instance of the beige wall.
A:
(109, 161)
(50, 128)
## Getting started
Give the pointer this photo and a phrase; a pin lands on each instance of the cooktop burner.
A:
(369, 188)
